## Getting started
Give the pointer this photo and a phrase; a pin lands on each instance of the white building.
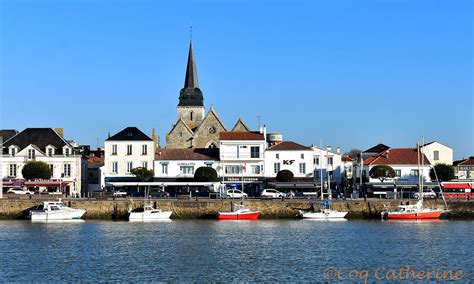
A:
(327, 162)
(242, 159)
(290, 156)
(67, 165)
(438, 153)
(181, 163)
(124, 151)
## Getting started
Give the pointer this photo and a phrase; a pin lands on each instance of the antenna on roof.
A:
(259, 120)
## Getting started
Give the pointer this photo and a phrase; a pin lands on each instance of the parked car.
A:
(159, 193)
(427, 193)
(19, 190)
(235, 193)
(272, 193)
(120, 193)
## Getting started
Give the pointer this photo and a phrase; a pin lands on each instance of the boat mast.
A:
(321, 167)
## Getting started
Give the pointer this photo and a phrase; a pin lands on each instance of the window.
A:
(208, 164)
(114, 149)
(13, 151)
(302, 168)
(232, 169)
(316, 161)
(436, 155)
(256, 170)
(31, 154)
(276, 167)
(255, 152)
(144, 149)
(67, 170)
(277, 156)
(115, 167)
(66, 152)
(12, 170)
(51, 168)
(129, 149)
(330, 160)
(145, 165)
(186, 170)
(302, 156)
(398, 173)
(415, 173)
(164, 169)
(50, 152)
(191, 116)
(129, 167)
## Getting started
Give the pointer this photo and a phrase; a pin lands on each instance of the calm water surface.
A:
(227, 251)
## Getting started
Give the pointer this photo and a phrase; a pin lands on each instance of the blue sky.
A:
(349, 73)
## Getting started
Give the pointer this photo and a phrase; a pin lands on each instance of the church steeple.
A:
(191, 95)
(191, 80)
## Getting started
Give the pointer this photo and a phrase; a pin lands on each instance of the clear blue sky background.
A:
(348, 72)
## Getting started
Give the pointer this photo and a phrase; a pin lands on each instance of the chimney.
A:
(154, 137)
(328, 148)
(60, 131)
(338, 150)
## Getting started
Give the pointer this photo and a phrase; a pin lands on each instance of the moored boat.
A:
(412, 212)
(147, 213)
(323, 213)
(239, 212)
(55, 210)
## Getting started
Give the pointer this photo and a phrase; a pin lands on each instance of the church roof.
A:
(191, 95)
(240, 126)
(187, 154)
(130, 134)
(240, 135)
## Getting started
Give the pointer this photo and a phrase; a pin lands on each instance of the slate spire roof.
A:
(191, 95)
(130, 134)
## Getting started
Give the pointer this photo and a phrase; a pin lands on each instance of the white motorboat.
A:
(55, 210)
(148, 213)
(323, 214)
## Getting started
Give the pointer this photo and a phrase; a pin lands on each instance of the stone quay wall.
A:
(207, 208)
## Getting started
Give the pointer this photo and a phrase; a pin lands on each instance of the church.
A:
(195, 128)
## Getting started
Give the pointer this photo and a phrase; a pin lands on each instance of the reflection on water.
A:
(59, 221)
(204, 250)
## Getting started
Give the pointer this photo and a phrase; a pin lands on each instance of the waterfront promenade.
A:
(205, 208)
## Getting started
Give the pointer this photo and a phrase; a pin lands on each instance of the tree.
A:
(36, 170)
(205, 174)
(143, 174)
(353, 153)
(382, 172)
(443, 171)
(284, 176)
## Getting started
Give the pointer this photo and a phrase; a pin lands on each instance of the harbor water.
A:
(207, 250)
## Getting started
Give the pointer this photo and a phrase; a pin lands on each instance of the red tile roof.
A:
(240, 135)
(187, 154)
(396, 156)
(288, 146)
(347, 159)
(467, 162)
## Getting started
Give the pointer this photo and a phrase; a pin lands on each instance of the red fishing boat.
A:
(239, 212)
(413, 212)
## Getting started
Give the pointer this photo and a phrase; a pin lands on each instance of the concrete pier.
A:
(207, 208)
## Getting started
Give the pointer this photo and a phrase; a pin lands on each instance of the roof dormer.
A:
(50, 150)
(67, 151)
(13, 150)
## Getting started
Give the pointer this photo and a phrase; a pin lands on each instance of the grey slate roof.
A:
(6, 134)
(130, 134)
(40, 137)
(191, 95)
(377, 148)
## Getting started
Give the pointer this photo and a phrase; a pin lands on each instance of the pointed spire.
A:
(191, 80)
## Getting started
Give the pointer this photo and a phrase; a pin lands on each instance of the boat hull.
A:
(323, 215)
(253, 215)
(434, 214)
(147, 215)
(42, 216)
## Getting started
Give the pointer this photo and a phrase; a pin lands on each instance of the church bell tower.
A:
(191, 101)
